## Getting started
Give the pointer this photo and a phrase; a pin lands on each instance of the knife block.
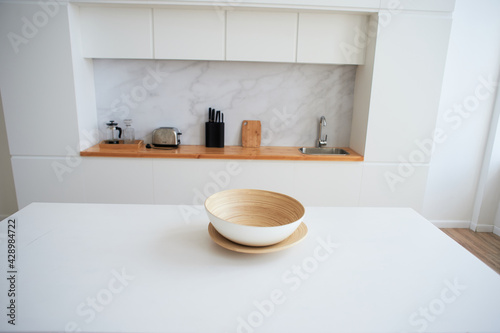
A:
(214, 134)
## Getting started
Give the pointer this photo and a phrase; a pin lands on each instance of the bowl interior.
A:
(255, 207)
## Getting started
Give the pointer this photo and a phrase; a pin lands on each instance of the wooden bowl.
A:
(254, 217)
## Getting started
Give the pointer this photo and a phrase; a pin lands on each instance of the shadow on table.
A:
(192, 245)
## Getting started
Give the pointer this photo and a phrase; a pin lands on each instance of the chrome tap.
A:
(322, 123)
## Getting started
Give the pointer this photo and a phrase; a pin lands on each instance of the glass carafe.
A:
(128, 132)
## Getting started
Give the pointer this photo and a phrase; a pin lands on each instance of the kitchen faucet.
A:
(322, 123)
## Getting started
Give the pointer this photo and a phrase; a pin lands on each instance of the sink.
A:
(323, 151)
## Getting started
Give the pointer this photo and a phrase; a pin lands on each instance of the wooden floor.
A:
(484, 245)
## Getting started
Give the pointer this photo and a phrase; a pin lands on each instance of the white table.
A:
(146, 268)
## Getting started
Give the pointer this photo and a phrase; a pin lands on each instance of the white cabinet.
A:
(261, 36)
(408, 72)
(189, 34)
(327, 183)
(83, 179)
(37, 82)
(393, 185)
(332, 38)
(218, 34)
(116, 32)
(118, 180)
(48, 179)
(424, 5)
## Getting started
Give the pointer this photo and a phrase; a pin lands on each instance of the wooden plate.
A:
(294, 238)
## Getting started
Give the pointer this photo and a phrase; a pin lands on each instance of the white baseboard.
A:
(496, 231)
(451, 223)
(465, 224)
(484, 228)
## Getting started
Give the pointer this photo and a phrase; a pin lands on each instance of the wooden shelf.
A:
(228, 152)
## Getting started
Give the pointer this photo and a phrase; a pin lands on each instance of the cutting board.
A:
(250, 133)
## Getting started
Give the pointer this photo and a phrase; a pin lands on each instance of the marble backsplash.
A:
(288, 99)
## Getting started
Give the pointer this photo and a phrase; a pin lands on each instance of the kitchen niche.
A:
(288, 98)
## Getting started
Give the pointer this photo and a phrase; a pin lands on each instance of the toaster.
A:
(166, 137)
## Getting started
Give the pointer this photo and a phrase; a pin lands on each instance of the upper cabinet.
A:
(116, 32)
(261, 36)
(332, 38)
(218, 34)
(189, 34)
(421, 5)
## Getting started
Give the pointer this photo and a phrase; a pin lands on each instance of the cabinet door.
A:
(381, 186)
(115, 32)
(123, 173)
(261, 36)
(48, 179)
(332, 38)
(189, 34)
(37, 83)
(406, 87)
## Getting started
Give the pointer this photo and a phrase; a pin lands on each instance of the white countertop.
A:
(152, 268)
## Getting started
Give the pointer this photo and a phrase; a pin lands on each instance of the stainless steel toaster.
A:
(166, 137)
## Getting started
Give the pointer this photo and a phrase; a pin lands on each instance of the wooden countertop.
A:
(228, 152)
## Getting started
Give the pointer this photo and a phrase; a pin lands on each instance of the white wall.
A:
(8, 202)
(496, 229)
(488, 192)
(473, 58)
